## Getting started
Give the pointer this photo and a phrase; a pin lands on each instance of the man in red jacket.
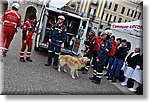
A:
(27, 33)
(11, 20)
(92, 45)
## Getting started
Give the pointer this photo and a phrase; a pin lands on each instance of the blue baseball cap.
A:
(93, 31)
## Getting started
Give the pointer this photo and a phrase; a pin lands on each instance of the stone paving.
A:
(35, 78)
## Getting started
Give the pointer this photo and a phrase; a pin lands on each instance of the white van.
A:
(77, 28)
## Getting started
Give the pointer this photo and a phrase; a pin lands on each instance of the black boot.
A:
(92, 78)
(110, 77)
(84, 71)
(114, 79)
(29, 59)
(55, 67)
(4, 54)
(97, 81)
(22, 60)
(48, 64)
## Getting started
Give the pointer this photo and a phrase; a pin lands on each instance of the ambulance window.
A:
(51, 18)
(73, 26)
(54, 14)
(84, 24)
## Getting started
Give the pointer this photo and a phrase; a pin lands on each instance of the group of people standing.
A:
(113, 53)
(100, 49)
(96, 49)
(11, 19)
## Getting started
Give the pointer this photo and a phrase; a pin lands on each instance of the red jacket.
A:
(97, 43)
(29, 27)
(113, 49)
(11, 18)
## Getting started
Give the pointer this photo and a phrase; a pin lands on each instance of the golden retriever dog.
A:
(73, 63)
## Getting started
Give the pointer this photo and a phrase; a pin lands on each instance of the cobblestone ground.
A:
(35, 78)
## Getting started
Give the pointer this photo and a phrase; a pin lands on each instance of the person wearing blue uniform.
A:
(101, 58)
(57, 38)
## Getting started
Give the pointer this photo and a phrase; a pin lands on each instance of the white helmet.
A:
(16, 5)
(61, 17)
(109, 32)
(137, 46)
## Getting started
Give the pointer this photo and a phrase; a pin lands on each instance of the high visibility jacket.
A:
(29, 28)
(11, 18)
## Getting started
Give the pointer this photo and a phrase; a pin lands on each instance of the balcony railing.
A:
(92, 17)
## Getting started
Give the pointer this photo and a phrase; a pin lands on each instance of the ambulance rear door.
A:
(78, 46)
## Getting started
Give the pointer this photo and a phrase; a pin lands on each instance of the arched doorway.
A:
(30, 10)
(4, 4)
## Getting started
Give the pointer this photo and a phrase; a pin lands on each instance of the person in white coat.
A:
(137, 75)
(131, 63)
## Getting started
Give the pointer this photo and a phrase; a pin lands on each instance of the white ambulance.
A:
(77, 28)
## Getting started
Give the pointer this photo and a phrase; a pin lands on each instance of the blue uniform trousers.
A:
(111, 60)
(117, 65)
(98, 68)
(56, 49)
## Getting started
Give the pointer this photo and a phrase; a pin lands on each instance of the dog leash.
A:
(68, 51)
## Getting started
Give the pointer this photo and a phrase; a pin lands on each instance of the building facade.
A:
(101, 12)
(104, 12)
